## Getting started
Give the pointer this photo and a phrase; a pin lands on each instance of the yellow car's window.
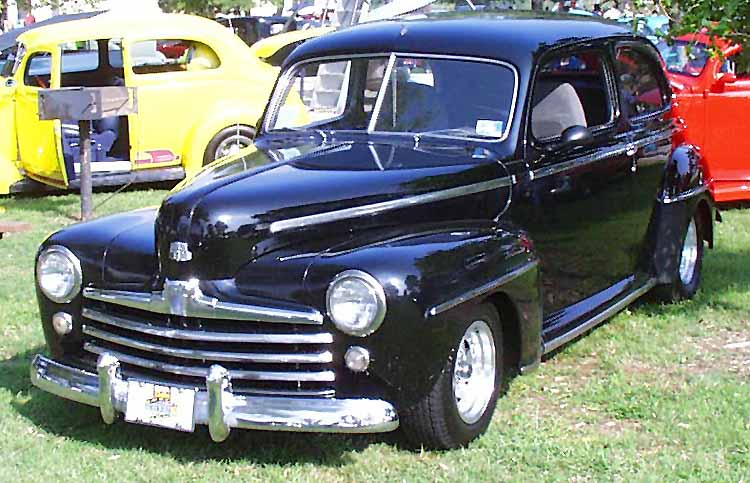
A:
(172, 55)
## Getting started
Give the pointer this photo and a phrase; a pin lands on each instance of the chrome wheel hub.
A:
(689, 256)
(232, 145)
(474, 372)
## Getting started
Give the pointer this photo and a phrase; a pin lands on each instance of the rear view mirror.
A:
(576, 136)
(723, 80)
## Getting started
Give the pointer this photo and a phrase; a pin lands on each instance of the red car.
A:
(713, 107)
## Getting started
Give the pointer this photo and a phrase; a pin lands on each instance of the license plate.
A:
(163, 406)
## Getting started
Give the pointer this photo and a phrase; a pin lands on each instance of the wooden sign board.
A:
(86, 103)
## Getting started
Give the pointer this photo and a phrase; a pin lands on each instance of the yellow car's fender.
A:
(226, 114)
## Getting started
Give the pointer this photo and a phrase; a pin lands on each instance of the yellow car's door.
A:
(8, 148)
(174, 88)
(39, 143)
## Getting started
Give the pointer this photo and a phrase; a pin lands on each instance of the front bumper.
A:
(217, 406)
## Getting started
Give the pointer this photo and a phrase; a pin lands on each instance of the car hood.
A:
(236, 213)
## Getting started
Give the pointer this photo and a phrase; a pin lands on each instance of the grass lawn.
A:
(653, 395)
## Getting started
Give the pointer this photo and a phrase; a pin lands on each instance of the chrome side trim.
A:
(219, 408)
(375, 208)
(272, 358)
(185, 298)
(482, 289)
(186, 334)
(599, 318)
(685, 195)
(196, 371)
(627, 148)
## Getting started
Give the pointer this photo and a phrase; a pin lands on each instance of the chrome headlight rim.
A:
(77, 273)
(375, 287)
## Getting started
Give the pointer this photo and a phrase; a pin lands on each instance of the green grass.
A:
(651, 396)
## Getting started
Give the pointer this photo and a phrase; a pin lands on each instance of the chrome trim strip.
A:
(598, 318)
(273, 358)
(278, 96)
(230, 410)
(482, 289)
(186, 334)
(301, 376)
(375, 208)
(685, 195)
(627, 148)
(185, 298)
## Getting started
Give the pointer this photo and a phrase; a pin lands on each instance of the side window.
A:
(570, 90)
(38, 70)
(639, 82)
(172, 55)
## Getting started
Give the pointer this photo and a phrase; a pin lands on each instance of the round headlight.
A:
(356, 303)
(58, 273)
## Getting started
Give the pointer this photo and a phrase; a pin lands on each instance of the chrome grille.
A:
(262, 358)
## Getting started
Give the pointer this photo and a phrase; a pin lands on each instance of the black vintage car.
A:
(460, 196)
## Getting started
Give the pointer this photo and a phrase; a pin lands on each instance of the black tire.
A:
(435, 421)
(680, 289)
(243, 134)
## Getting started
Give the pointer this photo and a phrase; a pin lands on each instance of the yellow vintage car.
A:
(200, 91)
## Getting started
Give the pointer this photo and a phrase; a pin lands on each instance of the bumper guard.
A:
(217, 406)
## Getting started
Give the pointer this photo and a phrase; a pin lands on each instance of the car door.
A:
(646, 111)
(39, 143)
(727, 108)
(575, 202)
(173, 94)
(8, 145)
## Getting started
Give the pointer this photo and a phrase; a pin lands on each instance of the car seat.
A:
(202, 57)
(556, 108)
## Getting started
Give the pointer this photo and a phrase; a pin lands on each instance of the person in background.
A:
(597, 9)
(614, 12)
(29, 19)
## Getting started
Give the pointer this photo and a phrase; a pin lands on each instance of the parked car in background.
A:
(653, 27)
(445, 214)
(713, 108)
(253, 29)
(200, 93)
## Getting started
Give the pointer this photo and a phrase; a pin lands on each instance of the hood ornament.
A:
(179, 252)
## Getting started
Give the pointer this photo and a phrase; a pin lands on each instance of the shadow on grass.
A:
(723, 271)
(83, 423)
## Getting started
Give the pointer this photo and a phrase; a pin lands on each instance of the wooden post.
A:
(87, 205)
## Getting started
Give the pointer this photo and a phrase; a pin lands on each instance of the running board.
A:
(598, 318)
(152, 175)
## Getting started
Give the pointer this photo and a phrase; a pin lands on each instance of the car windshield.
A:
(686, 58)
(398, 94)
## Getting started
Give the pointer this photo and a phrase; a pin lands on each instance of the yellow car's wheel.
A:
(229, 141)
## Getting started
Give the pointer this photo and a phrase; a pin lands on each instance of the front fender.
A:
(421, 271)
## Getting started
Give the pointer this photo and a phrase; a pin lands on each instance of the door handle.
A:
(10, 83)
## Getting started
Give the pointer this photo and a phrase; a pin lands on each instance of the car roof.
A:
(506, 35)
(10, 37)
(116, 25)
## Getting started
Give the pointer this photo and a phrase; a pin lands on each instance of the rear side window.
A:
(570, 90)
(639, 79)
(38, 70)
(172, 55)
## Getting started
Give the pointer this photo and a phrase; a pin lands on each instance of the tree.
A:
(729, 19)
(210, 7)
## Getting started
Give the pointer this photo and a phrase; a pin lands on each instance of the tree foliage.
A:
(208, 8)
(728, 19)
